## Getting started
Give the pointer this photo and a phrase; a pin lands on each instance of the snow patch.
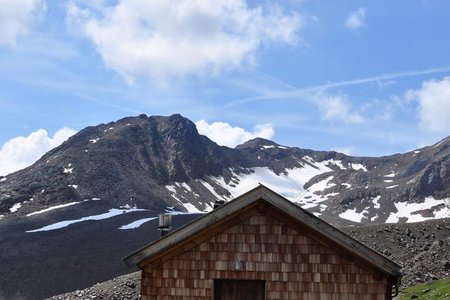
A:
(68, 170)
(211, 189)
(75, 186)
(54, 207)
(376, 202)
(3, 179)
(407, 210)
(192, 209)
(15, 207)
(332, 194)
(186, 187)
(392, 186)
(96, 199)
(93, 141)
(358, 167)
(171, 189)
(352, 215)
(337, 163)
(137, 223)
(388, 180)
(272, 147)
(111, 213)
(322, 185)
(309, 205)
(391, 174)
(347, 185)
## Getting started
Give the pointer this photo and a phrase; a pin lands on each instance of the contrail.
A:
(294, 91)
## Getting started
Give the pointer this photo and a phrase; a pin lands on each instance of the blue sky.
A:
(365, 77)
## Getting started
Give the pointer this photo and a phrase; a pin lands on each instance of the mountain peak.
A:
(256, 142)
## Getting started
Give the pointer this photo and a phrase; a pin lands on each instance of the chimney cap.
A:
(165, 222)
(218, 203)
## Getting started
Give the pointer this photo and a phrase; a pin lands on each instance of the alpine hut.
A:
(262, 246)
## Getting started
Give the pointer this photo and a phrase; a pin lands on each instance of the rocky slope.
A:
(158, 162)
(120, 288)
(421, 248)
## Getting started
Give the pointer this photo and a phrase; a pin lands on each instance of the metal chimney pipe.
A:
(165, 224)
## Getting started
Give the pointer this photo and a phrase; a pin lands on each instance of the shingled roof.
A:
(262, 194)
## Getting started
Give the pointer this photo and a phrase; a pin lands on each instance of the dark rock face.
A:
(138, 161)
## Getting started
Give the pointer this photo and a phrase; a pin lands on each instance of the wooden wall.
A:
(294, 266)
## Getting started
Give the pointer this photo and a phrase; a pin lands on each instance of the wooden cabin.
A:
(262, 246)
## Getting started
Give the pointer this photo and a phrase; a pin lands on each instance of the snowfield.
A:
(111, 213)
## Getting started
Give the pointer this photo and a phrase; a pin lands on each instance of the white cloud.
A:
(21, 152)
(16, 18)
(337, 108)
(434, 104)
(162, 39)
(357, 19)
(226, 135)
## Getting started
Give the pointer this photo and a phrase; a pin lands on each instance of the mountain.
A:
(67, 220)
(158, 162)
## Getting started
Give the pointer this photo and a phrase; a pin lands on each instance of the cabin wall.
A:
(293, 265)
